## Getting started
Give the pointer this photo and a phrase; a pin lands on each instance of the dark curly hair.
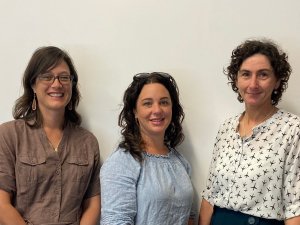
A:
(278, 60)
(132, 140)
(42, 60)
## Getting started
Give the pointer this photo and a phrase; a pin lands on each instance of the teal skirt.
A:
(222, 216)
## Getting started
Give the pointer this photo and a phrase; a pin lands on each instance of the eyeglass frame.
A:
(146, 75)
(58, 77)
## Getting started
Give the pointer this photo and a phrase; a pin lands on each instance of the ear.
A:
(277, 84)
(33, 87)
(134, 112)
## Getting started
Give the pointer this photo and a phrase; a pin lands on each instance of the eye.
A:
(244, 74)
(46, 77)
(147, 103)
(165, 102)
(65, 78)
(263, 75)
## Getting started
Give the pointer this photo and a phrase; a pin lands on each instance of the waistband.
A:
(223, 216)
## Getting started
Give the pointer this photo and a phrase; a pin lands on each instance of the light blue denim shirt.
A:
(157, 191)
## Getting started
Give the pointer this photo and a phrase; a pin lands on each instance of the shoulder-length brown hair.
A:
(132, 140)
(42, 60)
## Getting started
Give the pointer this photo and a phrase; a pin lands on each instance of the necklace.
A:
(54, 137)
(55, 149)
(245, 129)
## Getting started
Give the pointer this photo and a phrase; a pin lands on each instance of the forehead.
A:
(257, 61)
(61, 65)
(154, 90)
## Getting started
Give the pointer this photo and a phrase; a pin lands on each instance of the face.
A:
(256, 81)
(53, 96)
(153, 110)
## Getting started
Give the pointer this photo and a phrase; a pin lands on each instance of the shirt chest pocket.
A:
(78, 171)
(31, 170)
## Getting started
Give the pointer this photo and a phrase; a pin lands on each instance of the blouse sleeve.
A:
(210, 188)
(7, 161)
(94, 185)
(188, 169)
(118, 177)
(291, 186)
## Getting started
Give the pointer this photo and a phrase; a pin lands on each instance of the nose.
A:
(56, 82)
(157, 108)
(253, 81)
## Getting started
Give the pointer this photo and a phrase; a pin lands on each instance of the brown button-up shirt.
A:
(48, 187)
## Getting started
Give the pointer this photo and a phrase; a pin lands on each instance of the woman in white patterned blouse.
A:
(254, 175)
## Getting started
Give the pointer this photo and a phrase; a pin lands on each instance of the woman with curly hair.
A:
(255, 169)
(146, 180)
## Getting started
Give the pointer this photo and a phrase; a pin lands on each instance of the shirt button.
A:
(251, 220)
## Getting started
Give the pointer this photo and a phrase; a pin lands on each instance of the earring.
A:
(70, 106)
(275, 92)
(33, 105)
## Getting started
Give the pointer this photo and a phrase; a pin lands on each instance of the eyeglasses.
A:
(147, 75)
(49, 78)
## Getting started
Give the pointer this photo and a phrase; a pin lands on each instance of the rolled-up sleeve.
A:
(291, 186)
(94, 185)
(210, 188)
(118, 177)
(7, 162)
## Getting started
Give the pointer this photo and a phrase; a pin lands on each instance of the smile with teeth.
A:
(56, 94)
(157, 120)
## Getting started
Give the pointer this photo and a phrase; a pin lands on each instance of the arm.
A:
(206, 211)
(8, 214)
(118, 178)
(291, 185)
(293, 221)
(191, 222)
(91, 211)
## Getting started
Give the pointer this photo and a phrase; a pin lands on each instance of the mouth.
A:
(56, 95)
(157, 121)
(253, 93)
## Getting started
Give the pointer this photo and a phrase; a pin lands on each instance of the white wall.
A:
(112, 40)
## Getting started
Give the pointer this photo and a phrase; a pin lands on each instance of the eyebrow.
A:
(261, 70)
(163, 98)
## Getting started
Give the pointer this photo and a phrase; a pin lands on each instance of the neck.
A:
(155, 145)
(253, 117)
(53, 119)
(256, 116)
(53, 124)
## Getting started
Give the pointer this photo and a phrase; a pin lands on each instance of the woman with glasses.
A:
(49, 165)
(146, 180)
(254, 175)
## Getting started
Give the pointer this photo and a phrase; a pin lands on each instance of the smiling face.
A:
(256, 81)
(153, 110)
(53, 96)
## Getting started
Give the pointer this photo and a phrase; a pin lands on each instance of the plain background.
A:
(112, 40)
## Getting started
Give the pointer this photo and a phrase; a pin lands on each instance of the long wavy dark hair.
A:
(42, 60)
(278, 60)
(132, 140)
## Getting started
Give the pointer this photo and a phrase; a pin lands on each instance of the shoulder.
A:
(123, 157)
(14, 126)
(183, 161)
(287, 121)
(81, 134)
(121, 161)
(288, 116)
(230, 123)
